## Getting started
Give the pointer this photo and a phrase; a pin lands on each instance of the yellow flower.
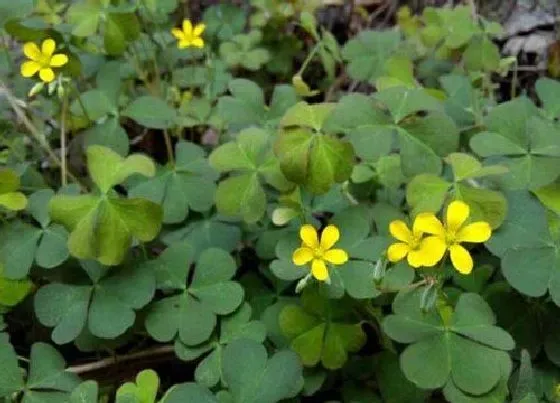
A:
(454, 232)
(319, 252)
(189, 36)
(418, 251)
(42, 60)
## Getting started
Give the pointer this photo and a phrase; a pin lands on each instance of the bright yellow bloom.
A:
(319, 252)
(189, 36)
(42, 60)
(418, 251)
(454, 232)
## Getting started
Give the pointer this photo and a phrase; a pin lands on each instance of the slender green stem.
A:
(308, 59)
(63, 161)
(33, 131)
(168, 146)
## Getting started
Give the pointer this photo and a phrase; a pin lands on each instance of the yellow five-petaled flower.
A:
(454, 232)
(422, 250)
(189, 35)
(42, 60)
(418, 251)
(319, 251)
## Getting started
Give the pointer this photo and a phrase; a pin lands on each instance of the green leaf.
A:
(188, 392)
(85, 17)
(525, 225)
(319, 335)
(210, 293)
(466, 349)
(485, 205)
(436, 130)
(547, 90)
(310, 116)
(368, 52)
(151, 112)
(108, 169)
(544, 274)
(482, 55)
(12, 292)
(120, 28)
(95, 103)
(85, 392)
(102, 228)
(246, 153)
(394, 387)
(466, 166)
(402, 102)
(417, 156)
(241, 196)
(426, 193)
(46, 373)
(234, 327)
(108, 134)
(189, 185)
(9, 197)
(245, 106)
(144, 390)
(314, 160)
(224, 21)
(107, 304)
(204, 234)
(528, 145)
(253, 377)
(11, 378)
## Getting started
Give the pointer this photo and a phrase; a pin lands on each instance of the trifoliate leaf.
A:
(253, 377)
(187, 185)
(466, 349)
(107, 304)
(319, 332)
(209, 293)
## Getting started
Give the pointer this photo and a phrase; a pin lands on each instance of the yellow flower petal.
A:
(457, 214)
(182, 44)
(48, 47)
(319, 270)
(47, 75)
(197, 42)
(336, 256)
(302, 256)
(476, 232)
(428, 223)
(28, 69)
(199, 29)
(329, 237)
(461, 259)
(400, 231)
(177, 33)
(32, 51)
(187, 28)
(397, 251)
(432, 249)
(416, 258)
(308, 235)
(59, 60)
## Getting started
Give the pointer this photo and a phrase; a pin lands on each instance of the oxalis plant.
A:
(240, 205)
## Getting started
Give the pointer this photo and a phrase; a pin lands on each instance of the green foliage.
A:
(102, 225)
(105, 302)
(468, 352)
(319, 333)
(190, 313)
(156, 197)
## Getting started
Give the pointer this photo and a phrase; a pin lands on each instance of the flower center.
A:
(44, 61)
(318, 253)
(415, 242)
(450, 237)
